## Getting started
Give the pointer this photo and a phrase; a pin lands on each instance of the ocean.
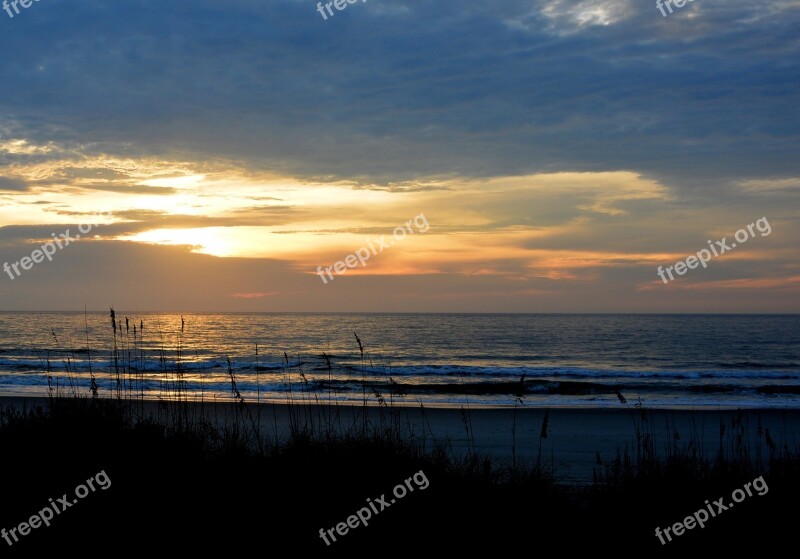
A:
(497, 360)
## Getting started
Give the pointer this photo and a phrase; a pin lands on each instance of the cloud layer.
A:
(561, 150)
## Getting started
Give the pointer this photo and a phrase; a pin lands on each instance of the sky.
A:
(540, 155)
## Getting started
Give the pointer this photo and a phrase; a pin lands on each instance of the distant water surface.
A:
(480, 359)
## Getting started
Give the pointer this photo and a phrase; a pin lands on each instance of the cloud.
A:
(11, 184)
(571, 17)
(127, 188)
(426, 89)
(254, 295)
(559, 150)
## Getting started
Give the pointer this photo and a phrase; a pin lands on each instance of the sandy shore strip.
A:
(574, 436)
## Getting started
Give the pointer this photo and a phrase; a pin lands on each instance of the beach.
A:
(574, 436)
(331, 478)
(488, 429)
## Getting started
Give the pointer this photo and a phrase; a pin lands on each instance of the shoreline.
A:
(372, 403)
(575, 436)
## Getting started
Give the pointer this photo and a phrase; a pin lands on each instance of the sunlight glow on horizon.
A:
(505, 227)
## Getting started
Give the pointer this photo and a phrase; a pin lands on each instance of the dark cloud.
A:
(13, 185)
(136, 221)
(389, 91)
(126, 188)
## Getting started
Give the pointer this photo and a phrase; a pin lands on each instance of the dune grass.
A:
(202, 475)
